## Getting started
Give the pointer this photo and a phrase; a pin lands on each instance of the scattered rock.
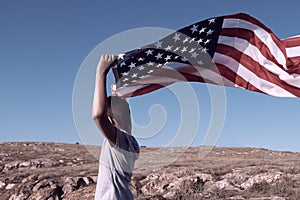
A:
(268, 177)
(11, 165)
(24, 164)
(52, 171)
(33, 177)
(10, 186)
(2, 184)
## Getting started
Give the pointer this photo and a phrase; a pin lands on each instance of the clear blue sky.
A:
(44, 43)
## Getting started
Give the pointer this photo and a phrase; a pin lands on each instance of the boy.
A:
(120, 150)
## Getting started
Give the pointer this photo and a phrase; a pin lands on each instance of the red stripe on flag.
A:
(293, 65)
(291, 42)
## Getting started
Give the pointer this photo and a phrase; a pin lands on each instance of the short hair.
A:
(118, 109)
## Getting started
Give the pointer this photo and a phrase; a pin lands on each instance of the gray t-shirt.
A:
(116, 166)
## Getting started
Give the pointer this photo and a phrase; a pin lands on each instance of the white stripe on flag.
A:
(293, 52)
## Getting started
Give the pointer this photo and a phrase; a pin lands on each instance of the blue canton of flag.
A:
(191, 44)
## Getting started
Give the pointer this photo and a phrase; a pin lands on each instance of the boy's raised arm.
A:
(100, 99)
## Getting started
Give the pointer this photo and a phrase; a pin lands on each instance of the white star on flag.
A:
(121, 56)
(194, 28)
(149, 52)
(202, 30)
(158, 44)
(211, 20)
(158, 56)
(132, 65)
(176, 37)
(209, 32)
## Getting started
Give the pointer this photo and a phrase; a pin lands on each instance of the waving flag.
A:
(235, 50)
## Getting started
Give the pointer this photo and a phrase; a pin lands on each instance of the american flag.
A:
(234, 50)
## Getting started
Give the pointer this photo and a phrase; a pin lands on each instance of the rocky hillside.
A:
(56, 171)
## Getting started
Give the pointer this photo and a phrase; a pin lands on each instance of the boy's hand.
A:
(104, 62)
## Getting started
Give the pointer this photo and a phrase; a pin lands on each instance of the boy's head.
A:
(119, 113)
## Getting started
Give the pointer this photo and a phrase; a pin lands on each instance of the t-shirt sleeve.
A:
(127, 142)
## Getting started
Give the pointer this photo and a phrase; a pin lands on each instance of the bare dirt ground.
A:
(30, 170)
